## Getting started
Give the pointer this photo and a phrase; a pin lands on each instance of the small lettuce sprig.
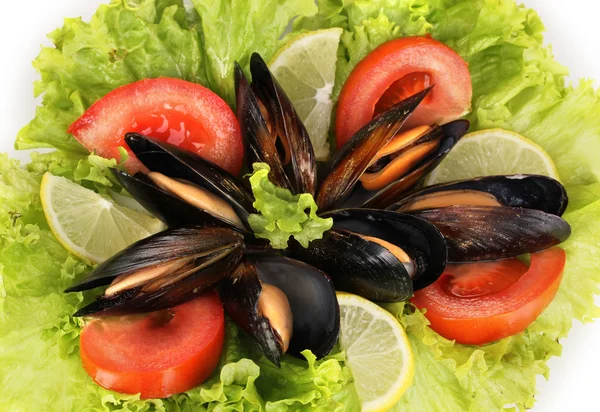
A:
(282, 214)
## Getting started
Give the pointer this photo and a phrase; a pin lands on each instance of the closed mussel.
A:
(284, 305)
(380, 255)
(163, 270)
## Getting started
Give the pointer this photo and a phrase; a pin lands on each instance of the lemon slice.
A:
(493, 152)
(377, 351)
(305, 68)
(88, 225)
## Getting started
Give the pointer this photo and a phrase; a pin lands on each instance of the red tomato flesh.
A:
(185, 114)
(483, 302)
(397, 70)
(483, 278)
(158, 354)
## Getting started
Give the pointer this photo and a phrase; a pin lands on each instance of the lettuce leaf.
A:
(283, 215)
(234, 29)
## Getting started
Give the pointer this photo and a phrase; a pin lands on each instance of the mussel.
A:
(475, 233)
(363, 251)
(526, 191)
(417, 164)
(287, 305)
(273, 130)
(183, 188)
(493, 217)
(163, 270)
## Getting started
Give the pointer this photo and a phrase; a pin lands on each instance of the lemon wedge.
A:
(88, 225)
(377, 351)
(493, 152)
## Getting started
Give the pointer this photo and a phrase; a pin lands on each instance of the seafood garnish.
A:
(285, 300)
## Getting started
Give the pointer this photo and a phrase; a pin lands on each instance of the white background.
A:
(573, 29)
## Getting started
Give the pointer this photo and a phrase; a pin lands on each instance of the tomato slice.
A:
(182, 113)
(477, 303)
(396, 70)
(158, 354)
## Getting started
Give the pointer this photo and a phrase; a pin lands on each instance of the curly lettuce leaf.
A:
(283, 215)
(234, 29)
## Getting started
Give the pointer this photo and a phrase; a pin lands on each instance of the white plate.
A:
(573, 29)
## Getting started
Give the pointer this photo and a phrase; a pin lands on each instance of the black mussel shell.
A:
(303, 173)
(346, 167)
(295, 168)
(311, 296)
(175, 163)
(526, 191)
(381, 199)
(358, 266)
(417, 237)
(213, 252)
(171, 210)
(239, 294)
(476, 233)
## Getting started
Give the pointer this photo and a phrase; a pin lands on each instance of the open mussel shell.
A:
(302, 292)
(452, 132)
(358, 265)
(476, 233)
(526, 191)
(273, 130)
(377, 254)
(171, 210)
(180, 165)
(288, 127)
(417, 237)
(349, 164)
(163, 270)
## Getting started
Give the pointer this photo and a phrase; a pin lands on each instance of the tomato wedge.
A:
(479, 303)
(397, 70)
(182, 113)
(158, 354)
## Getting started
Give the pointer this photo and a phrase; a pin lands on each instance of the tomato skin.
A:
(182, 113)
(159, 354)
(487, 318)
(396, 65)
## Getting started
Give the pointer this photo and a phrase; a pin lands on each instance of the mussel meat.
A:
(416, 164)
